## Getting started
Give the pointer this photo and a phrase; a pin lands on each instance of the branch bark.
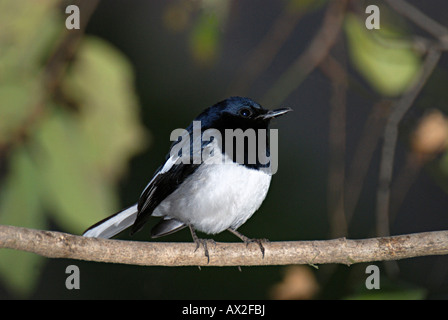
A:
(344, 251)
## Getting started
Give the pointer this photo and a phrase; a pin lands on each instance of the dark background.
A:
(173, 89)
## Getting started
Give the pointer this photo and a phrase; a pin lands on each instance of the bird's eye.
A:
(245, 112)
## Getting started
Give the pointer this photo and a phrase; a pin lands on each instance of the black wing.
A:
(170, 175)
(162, 185)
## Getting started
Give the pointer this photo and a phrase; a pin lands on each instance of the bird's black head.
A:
(238, 112)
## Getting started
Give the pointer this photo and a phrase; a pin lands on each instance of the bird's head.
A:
(238, 112)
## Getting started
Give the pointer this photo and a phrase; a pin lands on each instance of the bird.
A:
(204, 195)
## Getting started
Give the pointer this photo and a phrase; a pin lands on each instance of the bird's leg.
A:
(199, 241)
(247, 240)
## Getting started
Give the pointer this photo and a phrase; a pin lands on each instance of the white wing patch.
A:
(114, 225)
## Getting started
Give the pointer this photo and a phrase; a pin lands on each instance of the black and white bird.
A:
(204, 195)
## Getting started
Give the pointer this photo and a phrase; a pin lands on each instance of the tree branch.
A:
(318, 49)
(390, 141)
(419, 18)
(62, 245)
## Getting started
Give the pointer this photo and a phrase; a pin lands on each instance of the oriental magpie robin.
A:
(190, 190)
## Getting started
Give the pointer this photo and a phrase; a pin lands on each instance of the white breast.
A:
(216, 197)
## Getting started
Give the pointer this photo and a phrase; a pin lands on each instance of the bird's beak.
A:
(275, 113)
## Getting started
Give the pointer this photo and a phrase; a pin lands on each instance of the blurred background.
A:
(85, 119)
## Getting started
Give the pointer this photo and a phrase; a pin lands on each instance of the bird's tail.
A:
(114, 224)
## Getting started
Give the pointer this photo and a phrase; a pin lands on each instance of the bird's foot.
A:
(247, 240)
(202, 242)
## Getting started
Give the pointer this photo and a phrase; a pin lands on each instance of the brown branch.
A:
(390, 141)
(420, 19)
(336, 72)
(62, 245)
(263, 55)
(318, 49)
(370, 137)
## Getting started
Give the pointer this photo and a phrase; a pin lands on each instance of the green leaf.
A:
(82, 154)
(27, 29)
(20, 206)
(15, 103)
(101, 82)
(205, 38)
(78, 153)
(74, 189)
(390, 66)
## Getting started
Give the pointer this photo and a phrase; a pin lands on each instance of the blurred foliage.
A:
(430, 136)
(204, 21)
(394, 294)
(429, 144)
(385, 60)
(205, 39)
(389, 290)
(64, 155)
(298, 283)
(20, 205)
